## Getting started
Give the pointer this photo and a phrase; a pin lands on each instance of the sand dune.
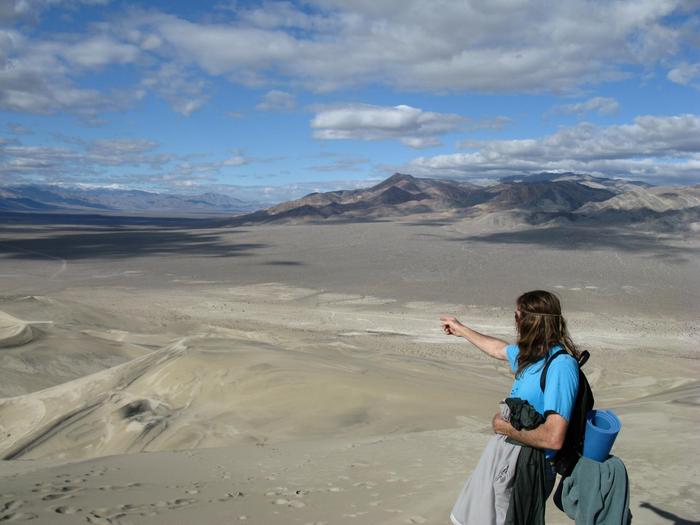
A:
(13, 331)
(210, 389)
(361, 413)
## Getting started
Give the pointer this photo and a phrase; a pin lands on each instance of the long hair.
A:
(540, 326)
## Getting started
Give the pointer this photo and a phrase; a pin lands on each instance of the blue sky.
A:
(282, 98)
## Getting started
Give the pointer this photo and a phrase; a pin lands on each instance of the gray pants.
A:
(485, 497)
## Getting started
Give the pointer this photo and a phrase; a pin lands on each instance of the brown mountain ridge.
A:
(539, 199)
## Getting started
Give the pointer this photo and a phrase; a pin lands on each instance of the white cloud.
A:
(150, 42)
(323, 45)
(684, 73)
(472, 45)
(98, 51)
(650, 147)
(411, 126)
(600, 105)
(277, 101)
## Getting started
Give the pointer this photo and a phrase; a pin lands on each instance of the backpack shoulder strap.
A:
(543, 376)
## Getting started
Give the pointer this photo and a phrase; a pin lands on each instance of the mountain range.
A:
(538, 199)
(545, 198)
(52, 198)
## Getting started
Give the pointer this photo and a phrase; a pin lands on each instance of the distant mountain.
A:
(660, 199)
(539, 199)
(581, 178)
(655, 208)
(49, 198)
(400, 194)
(553, 196)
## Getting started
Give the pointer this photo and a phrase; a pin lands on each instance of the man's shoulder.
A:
(564, 364)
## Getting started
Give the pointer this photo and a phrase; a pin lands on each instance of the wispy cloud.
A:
(84, 159)
(237, 160)
(599, 105)
(37, 75)
(18, 129)
(277, 101)
(341, 163)
(182, 89)
(487, 123)
(685, 73)
(31, 10)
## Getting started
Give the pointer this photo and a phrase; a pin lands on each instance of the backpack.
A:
(566, 458)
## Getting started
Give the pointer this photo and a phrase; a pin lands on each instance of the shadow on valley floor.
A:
(237, 222)
(430, 222)
(567, 238)
(116, 244)
(672, 518)
(284, 263)
(347, 220)
(14, 222)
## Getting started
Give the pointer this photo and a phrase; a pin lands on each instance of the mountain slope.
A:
(398, 195)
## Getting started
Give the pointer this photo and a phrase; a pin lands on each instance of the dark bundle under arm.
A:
(523, 415)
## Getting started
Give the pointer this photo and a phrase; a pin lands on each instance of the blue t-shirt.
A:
(560, 389)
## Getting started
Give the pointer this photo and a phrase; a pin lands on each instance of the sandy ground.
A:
(298, 374)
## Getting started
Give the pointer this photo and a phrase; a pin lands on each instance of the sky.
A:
(281, 98)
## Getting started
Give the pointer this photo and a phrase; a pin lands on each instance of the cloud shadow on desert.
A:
(568, 238)
(117, 244)
(104, 220)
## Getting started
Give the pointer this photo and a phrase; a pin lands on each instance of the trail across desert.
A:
(298, 373)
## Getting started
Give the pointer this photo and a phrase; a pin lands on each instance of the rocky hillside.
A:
(539, 199)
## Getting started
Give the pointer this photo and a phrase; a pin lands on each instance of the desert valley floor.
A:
(176, 373)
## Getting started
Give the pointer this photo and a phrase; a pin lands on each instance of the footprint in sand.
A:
(174, 503)
(295, 503)
(110, 516)
(10, 506)
(97, 520)
(66, 492)
(416, 519)
(64, 509)
(18, 516)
